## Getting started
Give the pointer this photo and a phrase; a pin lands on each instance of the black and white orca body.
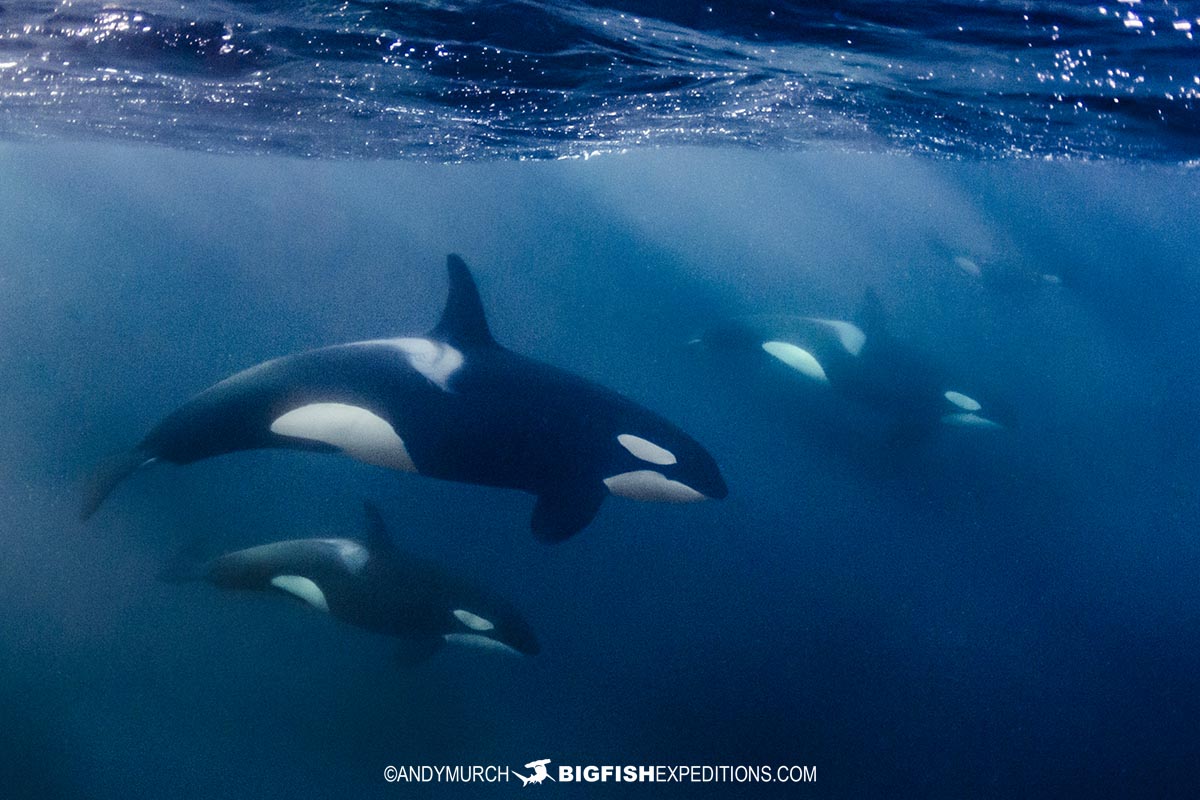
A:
(858, 361)
(453, 405)
(375, 586)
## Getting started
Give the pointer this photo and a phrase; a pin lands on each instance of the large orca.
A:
(453, 405)
(859, 361)
(372, 585)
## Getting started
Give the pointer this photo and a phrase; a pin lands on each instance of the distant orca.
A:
(374, 586)
(453, 405)
(1009, 275)
(1004, 277)
(859, 361)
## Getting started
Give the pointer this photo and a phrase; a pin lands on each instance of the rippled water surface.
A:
(467, 80)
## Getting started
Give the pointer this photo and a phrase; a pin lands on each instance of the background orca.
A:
(374, 586)
(453, 405)
(862, 362)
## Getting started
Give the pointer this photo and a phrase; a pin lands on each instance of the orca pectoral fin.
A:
(108, 473)
(564, 512)
(417, 650)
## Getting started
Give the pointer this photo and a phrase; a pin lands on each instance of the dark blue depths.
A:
(990, 614)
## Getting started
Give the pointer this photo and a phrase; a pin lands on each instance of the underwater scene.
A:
(604, 399)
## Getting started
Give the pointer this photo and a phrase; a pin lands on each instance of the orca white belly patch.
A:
(646, 450)
(651, 486)
(797, 358)
(475, 640)
(355, 431)
(967, 420)
(303, 588)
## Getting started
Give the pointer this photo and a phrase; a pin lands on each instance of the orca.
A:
(861, 362)
(1008, 275)
(454, 405)
(1003, 277)
(372, 585)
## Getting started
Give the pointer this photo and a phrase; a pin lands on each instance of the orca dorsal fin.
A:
(463, 322)
(871, 317)
(379, 541)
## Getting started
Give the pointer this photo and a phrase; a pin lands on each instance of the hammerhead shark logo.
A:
(539, 772)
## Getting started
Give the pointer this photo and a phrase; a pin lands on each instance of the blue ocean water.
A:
(1013, 613)
(513, 79)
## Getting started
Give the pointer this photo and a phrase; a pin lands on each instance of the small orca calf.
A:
(859, 361)
(372, 585)
(453, 405)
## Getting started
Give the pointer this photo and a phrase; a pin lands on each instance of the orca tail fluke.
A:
(187, 565)
(108, 473)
